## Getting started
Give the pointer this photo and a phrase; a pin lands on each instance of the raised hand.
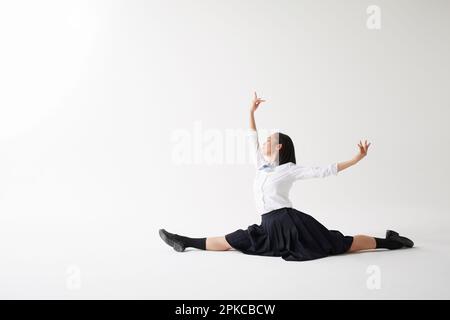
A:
(362, 149)
(255, 103)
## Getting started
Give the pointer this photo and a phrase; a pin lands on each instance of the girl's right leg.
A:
(179, 242)
(217, 244)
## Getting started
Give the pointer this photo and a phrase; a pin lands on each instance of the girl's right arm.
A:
(255, 104)
(253, 134)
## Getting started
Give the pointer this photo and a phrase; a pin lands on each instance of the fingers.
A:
(258, 101)
(256, 97)
(365, 147)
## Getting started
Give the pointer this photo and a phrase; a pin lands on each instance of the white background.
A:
(93, 91)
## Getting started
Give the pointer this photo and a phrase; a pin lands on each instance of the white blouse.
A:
(272, 183)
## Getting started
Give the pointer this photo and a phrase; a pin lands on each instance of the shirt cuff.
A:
(252, 136)
(251, 132)
(334, 168)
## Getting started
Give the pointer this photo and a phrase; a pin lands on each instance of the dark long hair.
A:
(287, 151)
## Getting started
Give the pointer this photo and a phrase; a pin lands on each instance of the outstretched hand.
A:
(255, 103)
(362, 149)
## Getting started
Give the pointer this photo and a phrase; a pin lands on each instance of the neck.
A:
(271, 160)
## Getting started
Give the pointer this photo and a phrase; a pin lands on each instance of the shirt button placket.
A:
(262, 192)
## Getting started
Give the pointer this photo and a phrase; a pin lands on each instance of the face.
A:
(271, 147)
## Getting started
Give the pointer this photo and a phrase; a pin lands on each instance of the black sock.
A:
(388, 244)
(199, 243)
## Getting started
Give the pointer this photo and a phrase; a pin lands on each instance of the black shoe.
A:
(171, 240)
(393, 235)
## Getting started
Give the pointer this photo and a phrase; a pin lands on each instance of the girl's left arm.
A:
(362, 153)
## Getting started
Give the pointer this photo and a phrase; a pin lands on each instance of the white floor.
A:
(118, 118)
(418, 273)
(157, 272)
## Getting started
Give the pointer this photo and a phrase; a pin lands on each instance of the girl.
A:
(284, 231)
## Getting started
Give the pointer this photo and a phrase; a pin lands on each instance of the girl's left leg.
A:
(362, 242)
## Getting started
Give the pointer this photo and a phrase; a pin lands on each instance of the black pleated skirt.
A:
(290, 234)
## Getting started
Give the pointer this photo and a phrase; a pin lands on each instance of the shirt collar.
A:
(267, 166)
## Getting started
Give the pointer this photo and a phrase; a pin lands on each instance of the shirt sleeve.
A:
(255, 150)
(299, 172)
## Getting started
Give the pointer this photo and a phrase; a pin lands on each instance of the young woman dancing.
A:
(284, 231)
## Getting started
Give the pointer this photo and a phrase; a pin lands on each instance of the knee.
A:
(217, 244)
(227, 245)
